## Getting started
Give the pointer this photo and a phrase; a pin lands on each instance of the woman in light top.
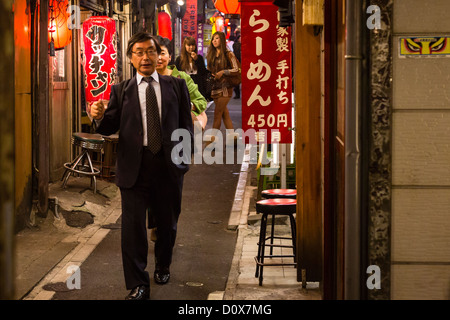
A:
(222, 63)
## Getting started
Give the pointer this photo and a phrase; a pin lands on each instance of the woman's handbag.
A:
(234, 80)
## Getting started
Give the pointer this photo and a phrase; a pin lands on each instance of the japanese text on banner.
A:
(266, 80)
(100, 49)
(189, 22)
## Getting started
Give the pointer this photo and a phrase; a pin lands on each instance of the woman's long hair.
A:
(185, 56)
(216, 64)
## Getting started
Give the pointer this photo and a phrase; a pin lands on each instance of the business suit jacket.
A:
(127, 118)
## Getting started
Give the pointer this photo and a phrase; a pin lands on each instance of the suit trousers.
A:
(160, 191)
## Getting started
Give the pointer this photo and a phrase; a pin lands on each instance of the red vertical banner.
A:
(189, 22)
(266, 73)
(100, 50)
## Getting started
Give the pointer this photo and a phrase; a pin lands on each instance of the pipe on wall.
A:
(353, 102)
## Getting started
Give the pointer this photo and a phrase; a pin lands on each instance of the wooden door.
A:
(334, 149)
(308, 151)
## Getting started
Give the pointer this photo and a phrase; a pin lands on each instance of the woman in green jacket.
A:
(198, 101)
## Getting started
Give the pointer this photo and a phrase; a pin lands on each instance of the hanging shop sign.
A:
(425, 46)
(189, 21)
(100, 49)
(59, 34)
(266, 73)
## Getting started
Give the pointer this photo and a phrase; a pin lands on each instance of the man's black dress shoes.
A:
(139, 293)
(161, 276)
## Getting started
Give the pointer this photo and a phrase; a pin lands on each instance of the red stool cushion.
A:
(276, 206)
(279, 193)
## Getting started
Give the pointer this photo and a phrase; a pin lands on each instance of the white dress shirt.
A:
(142, 87)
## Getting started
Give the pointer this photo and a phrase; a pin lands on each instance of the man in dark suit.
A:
(146, 173)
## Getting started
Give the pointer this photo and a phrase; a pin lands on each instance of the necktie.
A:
(153, 122)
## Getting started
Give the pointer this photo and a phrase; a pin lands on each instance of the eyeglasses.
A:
(141, 53)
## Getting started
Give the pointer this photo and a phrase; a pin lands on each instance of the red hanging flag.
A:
(266, 73)
(100, 50)
(189, 22)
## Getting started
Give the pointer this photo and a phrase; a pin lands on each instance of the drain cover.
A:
(77, 219)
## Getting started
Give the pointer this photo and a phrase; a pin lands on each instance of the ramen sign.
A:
(266, 73)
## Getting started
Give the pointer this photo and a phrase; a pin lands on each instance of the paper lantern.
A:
(100, 49)
(219, 24)
(58, 29)
(228, 6)
(164, 25)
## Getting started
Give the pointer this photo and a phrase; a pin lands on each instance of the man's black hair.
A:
(141, 36)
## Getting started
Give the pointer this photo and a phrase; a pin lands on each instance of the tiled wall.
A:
(420, 216)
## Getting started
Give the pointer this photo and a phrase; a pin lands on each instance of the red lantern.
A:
(228, 6)
(219, 24)
(164, 25)
(100, 50)
(58, 29)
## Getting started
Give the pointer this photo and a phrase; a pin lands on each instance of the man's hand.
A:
(97, 109)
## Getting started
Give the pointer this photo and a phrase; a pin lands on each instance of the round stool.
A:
(88, 143)
(279, 193)
(274, 207)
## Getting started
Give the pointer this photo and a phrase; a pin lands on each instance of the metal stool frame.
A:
(260, 263)
(75, 167)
